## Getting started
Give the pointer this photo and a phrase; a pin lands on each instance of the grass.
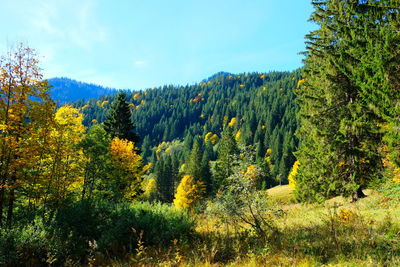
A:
(334, 233)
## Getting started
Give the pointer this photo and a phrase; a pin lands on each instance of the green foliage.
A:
(82, 229)
(262, 104)
(119, 123)
(340, 137)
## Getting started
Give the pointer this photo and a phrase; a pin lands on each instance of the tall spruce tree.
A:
(119, 123)
(339, 136)
(193, 165)
(224, 165)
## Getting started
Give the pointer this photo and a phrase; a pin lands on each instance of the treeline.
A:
(349, 99)
(259, 108)
(47, 156)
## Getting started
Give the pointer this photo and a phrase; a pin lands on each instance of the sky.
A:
(138, 44)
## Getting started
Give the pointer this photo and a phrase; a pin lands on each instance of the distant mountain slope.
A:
(261, 106)
(68, 90)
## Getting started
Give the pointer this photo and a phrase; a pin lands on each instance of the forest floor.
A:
(334, 233)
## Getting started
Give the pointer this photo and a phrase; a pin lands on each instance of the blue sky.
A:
(138, 44)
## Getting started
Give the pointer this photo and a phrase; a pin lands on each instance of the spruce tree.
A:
(339, 137)
(193, 165)
(227, 150)
(119, 123)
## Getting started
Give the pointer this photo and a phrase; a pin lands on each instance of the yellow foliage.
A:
(214, 139)
(128, 163)
(300, 82)
(241, 85)
(188, 192)
(104, 103)
(147, 167)
(207, 137)
(150, 188)
(269, 151)
(182, 168)
(233, 122)
(237, 136)
(252, 173)
(262, 76)
(136, 96)
(292, 174)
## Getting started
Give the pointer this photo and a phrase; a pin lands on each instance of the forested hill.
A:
(260, 106)
(67, 90)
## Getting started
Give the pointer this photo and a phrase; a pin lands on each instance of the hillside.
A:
(261, 105)
(68, 90)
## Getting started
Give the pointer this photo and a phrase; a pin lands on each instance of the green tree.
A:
(96, 149)
(119, 123)
(339, 137)
(193, 165)
(224, 166)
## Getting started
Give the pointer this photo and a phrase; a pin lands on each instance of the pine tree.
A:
(193, 165)
(224, 166)
(339, 138)
(119, 123)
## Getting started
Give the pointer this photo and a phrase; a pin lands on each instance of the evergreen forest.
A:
(295, 168)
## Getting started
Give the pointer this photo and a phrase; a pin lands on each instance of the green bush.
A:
(79, 230)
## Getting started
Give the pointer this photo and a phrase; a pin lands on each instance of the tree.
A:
(189, 192)
(98, 166)
(126, 177)
(227, 149)
(119, 123)
(25, 113)
(193, 165)
(165, 178)
(339, 136)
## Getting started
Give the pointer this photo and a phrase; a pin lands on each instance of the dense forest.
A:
(280, 168)
(172, 118)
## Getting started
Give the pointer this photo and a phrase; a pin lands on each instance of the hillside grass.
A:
(334, 233)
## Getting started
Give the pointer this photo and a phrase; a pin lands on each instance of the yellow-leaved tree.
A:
(126, 176)
(25, 113)
(63, 165)
(189, 192)
(292, 174)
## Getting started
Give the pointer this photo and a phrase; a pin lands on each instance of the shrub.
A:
(81, 229)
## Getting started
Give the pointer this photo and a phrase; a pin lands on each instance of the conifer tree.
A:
(119, 123)
(340, 140)
(224, 166)
(193, 166)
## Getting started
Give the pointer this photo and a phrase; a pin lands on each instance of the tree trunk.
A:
(357, 195)
(10, 207)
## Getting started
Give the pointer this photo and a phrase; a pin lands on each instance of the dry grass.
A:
(335, 233)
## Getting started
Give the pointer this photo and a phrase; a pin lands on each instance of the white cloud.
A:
(141, 63)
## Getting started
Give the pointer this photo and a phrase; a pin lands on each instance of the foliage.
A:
(241, 203)
(25, 119)
(189, 192)
(84, 229)
(264, 110)
(293, 173)
(340, 137)
(119, 123)
(127, 171)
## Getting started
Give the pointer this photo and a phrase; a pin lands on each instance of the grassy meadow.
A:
(334, 233)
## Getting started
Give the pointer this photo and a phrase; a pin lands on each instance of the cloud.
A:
(141, 63)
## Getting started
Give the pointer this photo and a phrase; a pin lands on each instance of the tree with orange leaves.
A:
(25, 114)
